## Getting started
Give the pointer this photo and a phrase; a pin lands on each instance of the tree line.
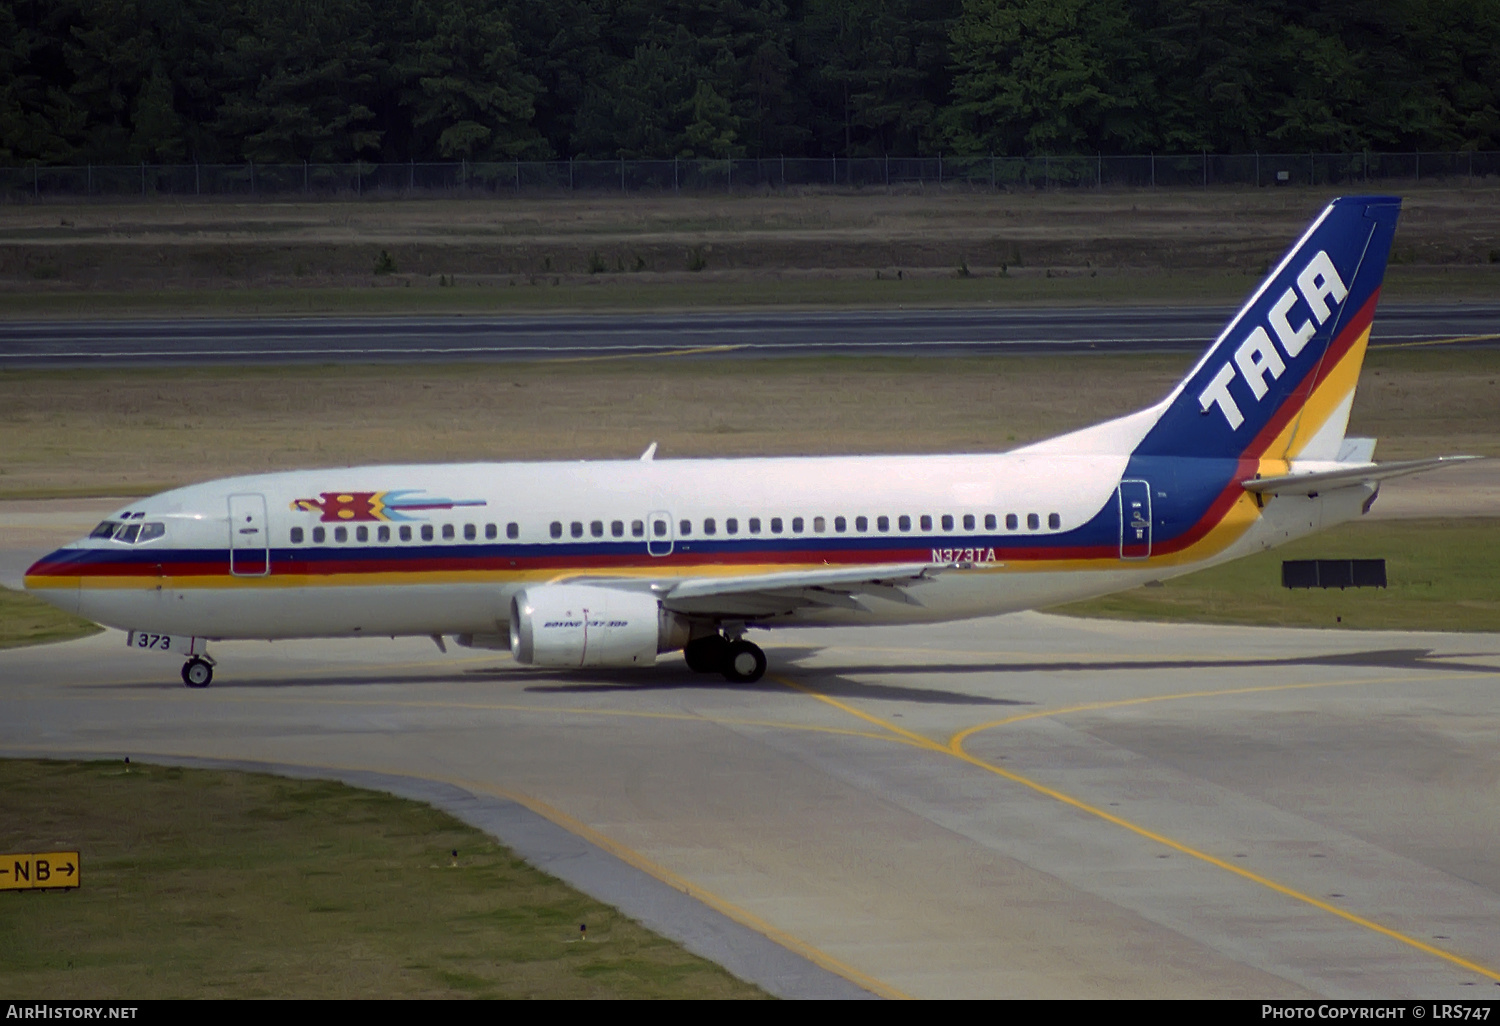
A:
(276, 81)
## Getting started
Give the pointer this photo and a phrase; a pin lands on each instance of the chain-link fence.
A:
(1202, 170)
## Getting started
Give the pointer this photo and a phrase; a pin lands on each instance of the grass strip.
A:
(1444, 575)
(210, 884)
(26, 620)
(420, 295)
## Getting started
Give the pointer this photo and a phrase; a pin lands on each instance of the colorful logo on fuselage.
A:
(408, 504)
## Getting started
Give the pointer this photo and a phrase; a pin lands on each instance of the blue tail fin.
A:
(1279, 379)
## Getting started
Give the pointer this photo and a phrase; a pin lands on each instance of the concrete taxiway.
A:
(1027, 806)
(737, 334)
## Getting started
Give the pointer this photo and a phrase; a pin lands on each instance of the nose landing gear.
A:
(197, 672)
(740, 661)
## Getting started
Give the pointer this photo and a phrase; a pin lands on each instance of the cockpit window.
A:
(133, 534)
(104, 530)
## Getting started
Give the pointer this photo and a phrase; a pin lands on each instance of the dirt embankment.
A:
(210, 244)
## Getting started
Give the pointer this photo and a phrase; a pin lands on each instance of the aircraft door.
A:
(659, 533)
(1135, 519)
(249, 543)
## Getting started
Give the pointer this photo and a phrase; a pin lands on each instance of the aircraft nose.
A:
(54, 579)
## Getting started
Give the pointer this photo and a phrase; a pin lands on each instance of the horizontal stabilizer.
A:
(1325, 480)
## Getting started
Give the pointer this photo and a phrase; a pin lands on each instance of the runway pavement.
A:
(1027, 806)
(742, 334)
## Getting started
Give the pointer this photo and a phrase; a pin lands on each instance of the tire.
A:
(706, 654)
(745, 663)
(196, 673)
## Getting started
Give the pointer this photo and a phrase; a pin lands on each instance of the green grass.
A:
(25, 620)
(632, 293)
(207, 884)
(1444, 575)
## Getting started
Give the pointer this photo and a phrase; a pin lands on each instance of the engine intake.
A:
(583, 625)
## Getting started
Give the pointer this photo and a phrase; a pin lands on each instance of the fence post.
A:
(622, 174)
(1153, 170)
(518, 176)
(1046, 172)
(88, 186)
(1257, 169)
(1312, 170)
(1099, 171)
(1419, 165)
(570, 174)
(940, 169)
(674, 176)
(992, 172)
(887, 170)
(729, 175)
(783, 169)
(305, 189)
(36, 189)
(1205, 169)
(252, 178)
(197, 179)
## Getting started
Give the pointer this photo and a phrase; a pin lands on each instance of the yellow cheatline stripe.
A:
(1438, 341)
(1319, 407)
(955, 749)
(671, 879)
(695, 351)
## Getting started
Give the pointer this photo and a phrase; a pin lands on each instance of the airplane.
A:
(612, 563)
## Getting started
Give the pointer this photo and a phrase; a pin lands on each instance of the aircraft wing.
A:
(756, 595)
(1324, 480)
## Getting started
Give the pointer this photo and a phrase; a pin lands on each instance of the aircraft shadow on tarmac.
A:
(837, 680)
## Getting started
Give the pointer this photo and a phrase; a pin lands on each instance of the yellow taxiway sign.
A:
(38, 871)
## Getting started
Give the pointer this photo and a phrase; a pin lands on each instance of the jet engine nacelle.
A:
(583, 625)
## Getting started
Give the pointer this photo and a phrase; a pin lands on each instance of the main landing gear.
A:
(739, 661)
(197, 672)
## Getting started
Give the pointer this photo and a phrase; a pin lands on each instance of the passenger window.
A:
(968, 521)
(362, 534)
(340, 534)
(1033, 521)
(731, 526)
(796, 525)
(557, 528)
(596, 528)
(448, 531)
(926, 522)
(755, 525)
(296, 536)
(152, 531)
(903, 523)
(383, 533)
(659, 528)
(709, 527)
(318, 535)
(576, 529)
(685, 528)
(491, 532)
(819, 525)
(775, 525)
(427, 532)
(989, 521)
(470, 532)
(405, 533)
(1011, 523)
(947, 521)
(638, 528)
(882, 523)
(861, 523)
(512, 530)
(839, 523)
(617, 528)
(1054, 521)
